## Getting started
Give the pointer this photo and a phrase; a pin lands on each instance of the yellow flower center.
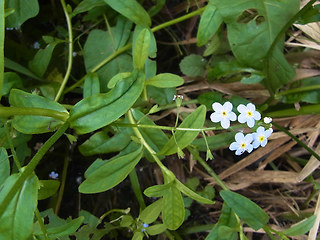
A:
(243, 145)
(249, 113)
(261, 138)
(224, 113)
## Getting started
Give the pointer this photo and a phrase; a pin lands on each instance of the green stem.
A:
(207, 168)
(31, 166)
(63, 183)
(70, 57)
(13, 111)
(303, 110)
(41, 223)
(13, 151)
(124, 211)
(298, 90)
(2, 33)
(268, 232)
(313, 153)
(279, 36)
(136, 188)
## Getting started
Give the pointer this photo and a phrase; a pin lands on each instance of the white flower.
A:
(242, 143)
(248, 114)
(223, 113)
(267, 120)
(53, 175)
(260, 138)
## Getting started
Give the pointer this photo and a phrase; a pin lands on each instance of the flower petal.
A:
(242, 118)
(256, 144)
(239, 151)
(232, 116)
(234, 146)
(225, 123)
(248, 138)
(256, 115)
(250, 122)
(239, 137)
(227, 106)
(242, 108)
(251, 107)
(217, 107)
(215, 117)
(249, 148)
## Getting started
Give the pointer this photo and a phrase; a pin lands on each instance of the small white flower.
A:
(242, 144)
(223, 113)
(248, 114)
(53, 175)
(36, 45)
(260, 138)
(267, 120)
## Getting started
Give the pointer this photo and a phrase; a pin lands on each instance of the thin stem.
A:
(2, 33)
(13, 111)
(207, 168)
(63, 183)
(124, 211)
(313, 153)
(304, 110)
(298, 90)
(268, 232)
(31, 166)
(41, 223)
(136, 188)
(70, 57)
(13, 151)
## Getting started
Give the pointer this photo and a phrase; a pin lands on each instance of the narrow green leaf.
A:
(91, 85)
(47, 188)
(34, 124)
(187, 191)
(131, 10)
(8, 63)
(111, 172)
(227, 217)
(165, 80)
(301, 228)
(157, 190)
(151, 212)
(221, 232)
(87, 5)
(4, 165)
(100, 110)
(17, 219)
(210, 22)
(122, 32)
(118, 77)
(183, 138)
(173, 208)
(156, 229)
(247, 210)
(141, 49)
(3, 15)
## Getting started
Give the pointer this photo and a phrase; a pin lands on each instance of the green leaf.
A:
(161, 96)
(126, 221)
(118, 77)
(172, 208)
(91, 85)
(156, 229)
(34, 124)
(301, 227)
(17, 219)
(165, 80)
(221, 232)
(253, 78)
(11, 80)
(210, 22)
(157, 190)
(215, 142)
(183, 138)
(100, 110)
(19, 68)
(4, 165)
(89, 219)
(131, 10)
(121, 32)
(87, 5)
(247, 210)
(140, 49)
(187, 191)
(227, 217)
(23, 10)
(193, 65)
(152, 212)
(137, 235)
(111, 172)
(47, 188)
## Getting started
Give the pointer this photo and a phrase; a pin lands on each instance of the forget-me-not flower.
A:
(248, 114)
(53, 175)
(223, 113)
(242, 143)
(260, 138)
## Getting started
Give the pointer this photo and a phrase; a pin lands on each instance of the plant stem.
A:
(70, 57)
(63, 183)
(13, 151)
(31, 166)
(13, 111)
(304, 110)
(297, 90)
(41, 223)
(2, 33)
(207, 168)
(313, 153)
(136, 188)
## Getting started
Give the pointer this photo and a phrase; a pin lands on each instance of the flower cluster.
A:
(248, 114)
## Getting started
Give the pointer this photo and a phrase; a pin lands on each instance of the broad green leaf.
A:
(247, 210)
(151, 212)
(17, 219)
(141, 49)
(91, 85)
(165, 80)
(100, 142)
(121, 32)
(221, 232)
(210, 22)
(172, 208)
(301, 228)
(126, 221)
(89, 218)
(111, 172)
(100, 110)
(98, 47)
(227, 217)
(193, 65)
(218, 141)
(4, 165)
(183, 138)
(161, 96)
(137, 235)
(187, 191)
(11, 80)
(152, 51)
(87, 5)
(157, 190)
(34, 124)
(23, 10)
(8, 63)
(41, 60)
(131, 10)
(47, 188)
(156, 229)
